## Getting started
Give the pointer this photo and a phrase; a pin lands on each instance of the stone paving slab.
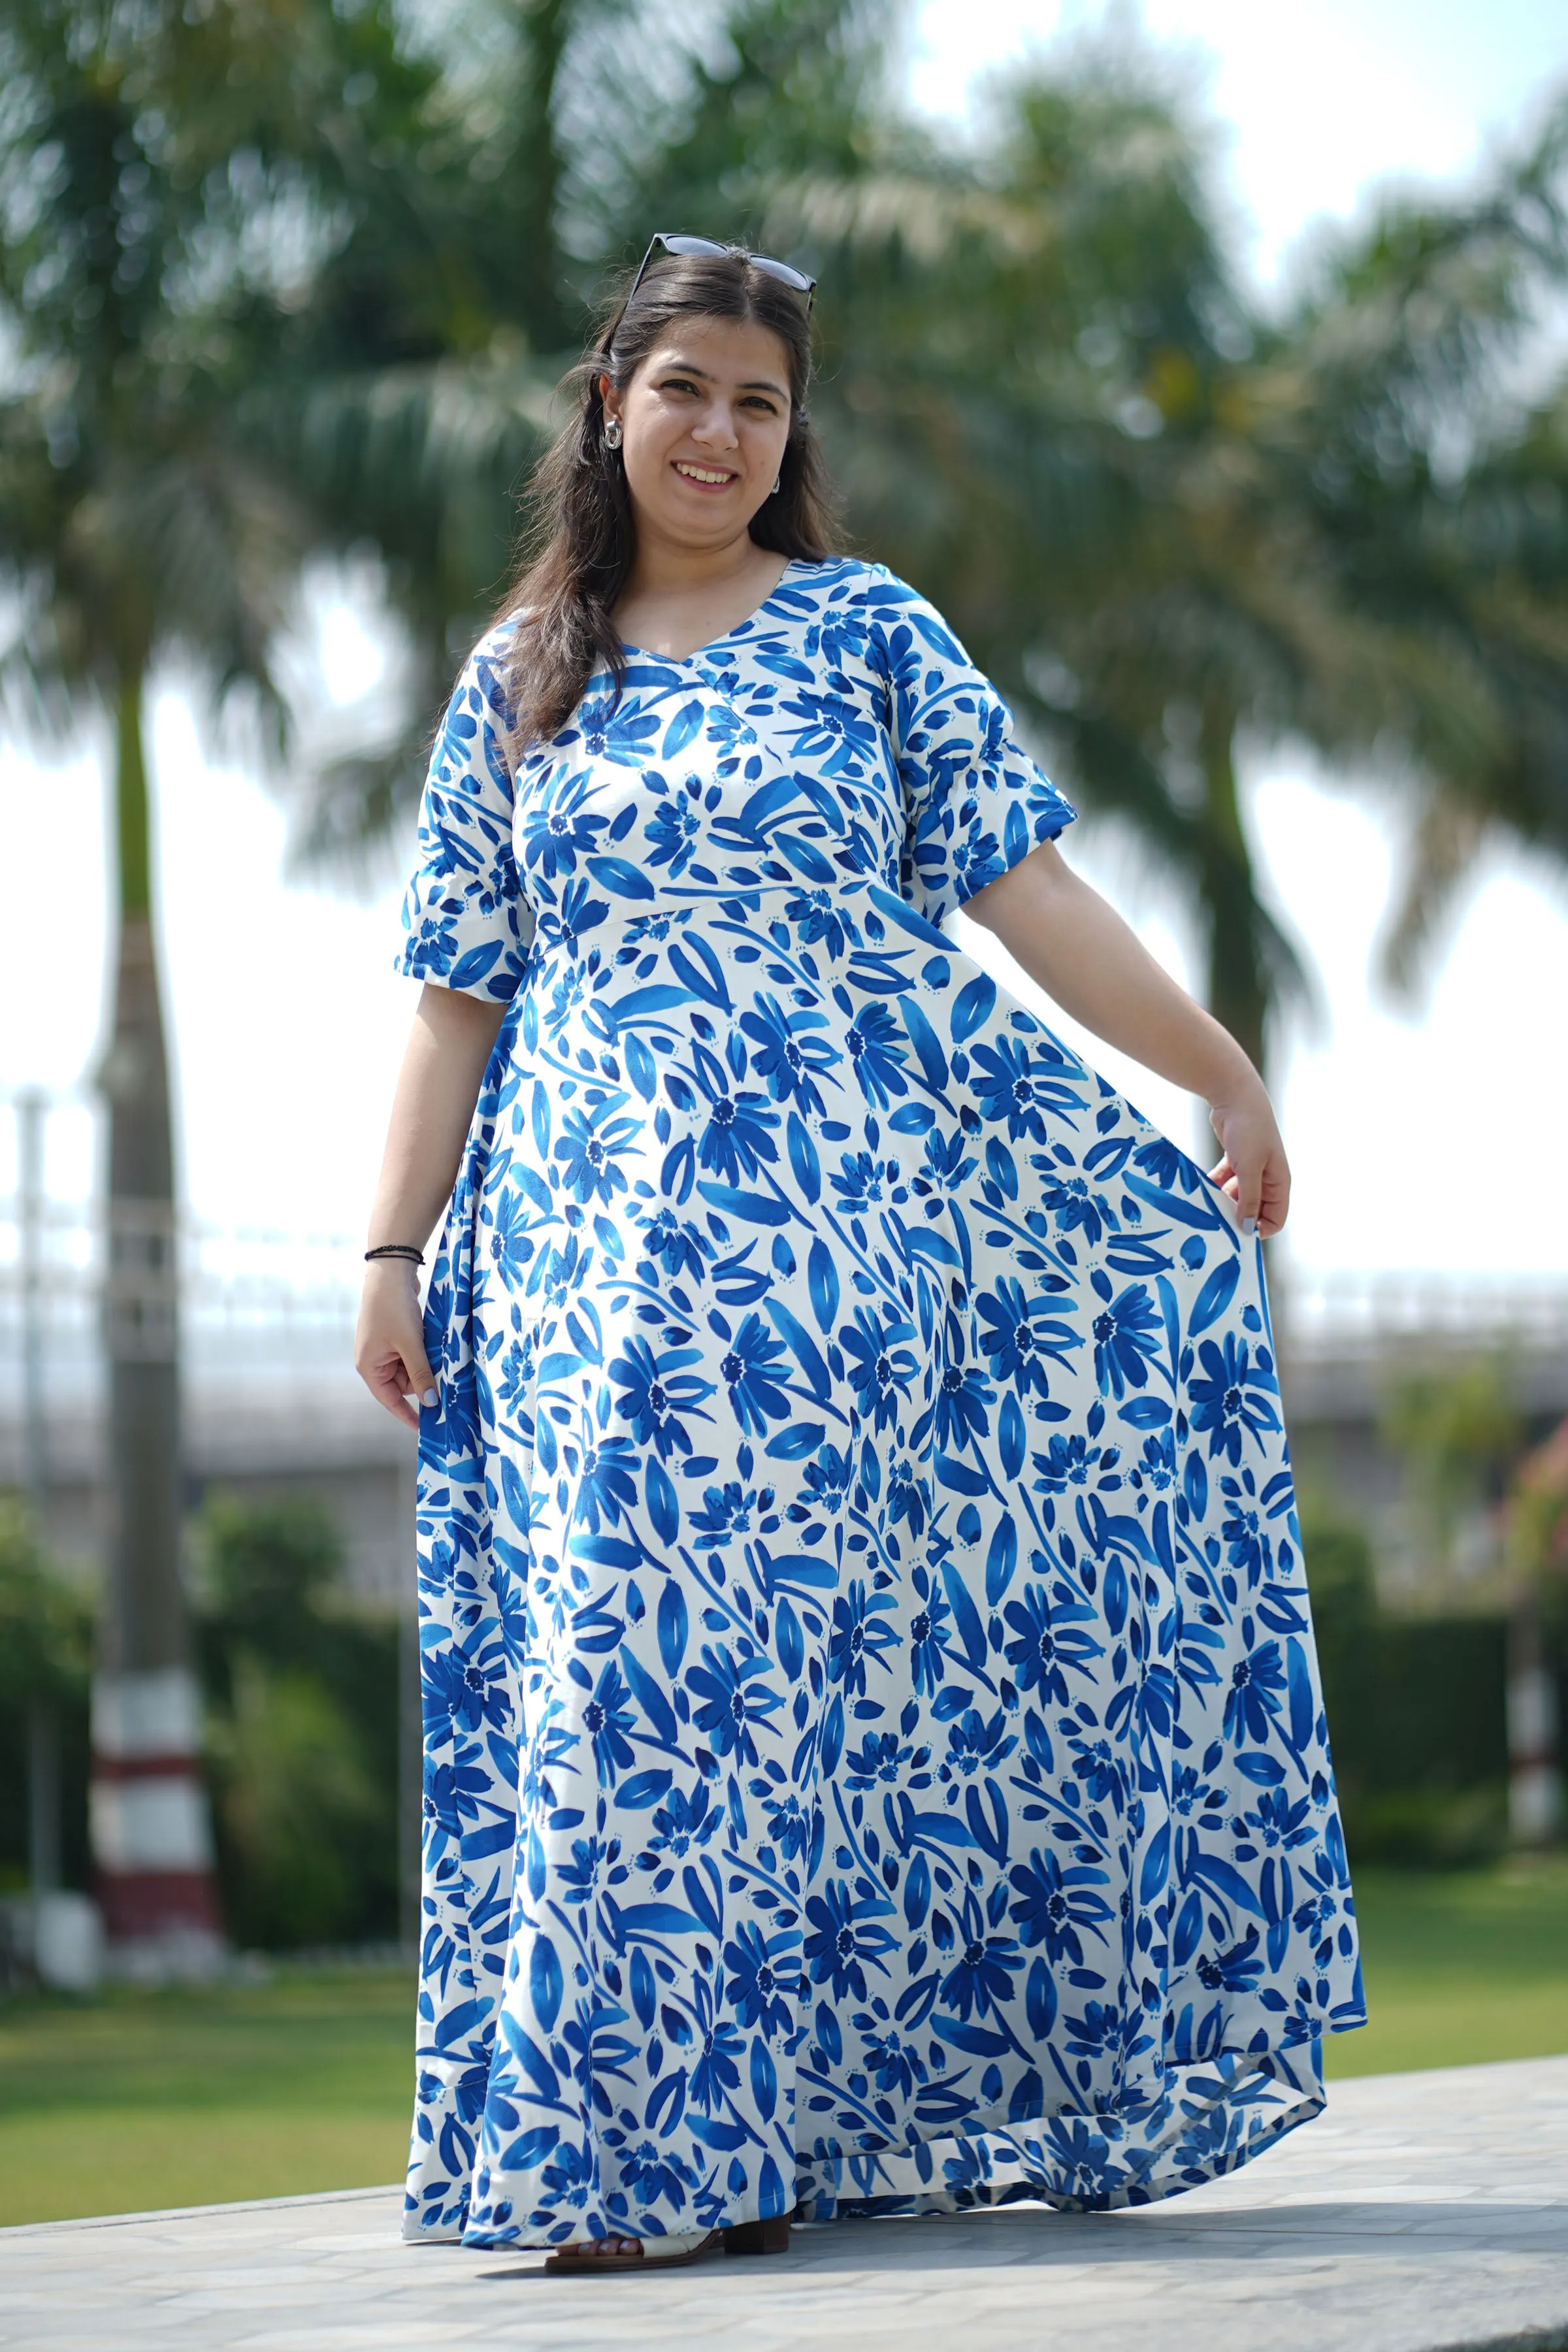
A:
(1423, 2213)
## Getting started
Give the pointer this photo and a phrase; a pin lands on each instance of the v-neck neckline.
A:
(680, 661)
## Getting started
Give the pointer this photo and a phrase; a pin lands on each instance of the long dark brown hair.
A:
(581, 537)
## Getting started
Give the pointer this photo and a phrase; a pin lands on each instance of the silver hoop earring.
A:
(774, 491)
(612, 433)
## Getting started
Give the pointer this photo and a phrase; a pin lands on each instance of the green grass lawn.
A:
(198, 2097)
(1461, 1968)
(191, 2098)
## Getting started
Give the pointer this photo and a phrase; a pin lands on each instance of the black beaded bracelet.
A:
(397, 1249)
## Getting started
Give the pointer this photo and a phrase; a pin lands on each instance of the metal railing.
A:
(267, 1321)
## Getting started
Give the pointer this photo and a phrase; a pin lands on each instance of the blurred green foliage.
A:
(301, 1730)
(46, 1650)
(1416, 1710)
(301, 1726)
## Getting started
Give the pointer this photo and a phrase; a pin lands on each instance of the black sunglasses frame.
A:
(796, 279)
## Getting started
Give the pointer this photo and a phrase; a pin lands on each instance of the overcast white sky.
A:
(1431, 1140)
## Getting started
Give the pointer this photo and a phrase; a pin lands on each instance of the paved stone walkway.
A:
(1424, 2213)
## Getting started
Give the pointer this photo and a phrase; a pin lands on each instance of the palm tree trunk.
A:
(1238, 990)
(152, 1837)
(548, 25)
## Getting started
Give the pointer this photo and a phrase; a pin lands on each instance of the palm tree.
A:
(133, 534)
(1169, 526)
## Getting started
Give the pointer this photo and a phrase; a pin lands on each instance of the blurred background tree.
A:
(301, 1696)
(1172, 524)
(1461, 1434)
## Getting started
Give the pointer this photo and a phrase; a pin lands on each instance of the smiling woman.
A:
(874, 1760)
(693, 420)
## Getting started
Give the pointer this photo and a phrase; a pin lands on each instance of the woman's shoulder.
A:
(486, 663)
(895, 614)
(858, 584)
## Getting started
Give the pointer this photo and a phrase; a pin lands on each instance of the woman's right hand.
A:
(389, 1343)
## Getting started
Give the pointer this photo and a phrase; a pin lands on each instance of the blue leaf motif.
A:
(802, 1159)
(1215, 1297)
(641, 1067)
(922, 1037)
(973, 1006)
(1001, 1559)
(1011, 1436)
(1041, 2000)
(683, 728)
(663, 1509)
(822, 1276)
(545, 1984)
(617, 874)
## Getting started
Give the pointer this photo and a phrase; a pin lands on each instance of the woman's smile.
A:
(705, 477)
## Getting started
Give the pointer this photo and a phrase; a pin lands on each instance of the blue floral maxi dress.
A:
(873, 1752)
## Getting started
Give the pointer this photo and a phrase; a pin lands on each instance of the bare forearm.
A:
(1082, 953)
(437, 1087)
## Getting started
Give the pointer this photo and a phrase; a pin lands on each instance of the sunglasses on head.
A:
(793, 279)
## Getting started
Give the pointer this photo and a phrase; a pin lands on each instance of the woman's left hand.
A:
(1254, 1169)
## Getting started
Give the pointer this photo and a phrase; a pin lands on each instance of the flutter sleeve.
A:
(975, 803)
(468, 925)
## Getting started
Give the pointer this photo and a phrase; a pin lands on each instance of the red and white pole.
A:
(152, 1839)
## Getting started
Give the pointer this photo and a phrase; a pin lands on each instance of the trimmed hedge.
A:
(1417, 1712)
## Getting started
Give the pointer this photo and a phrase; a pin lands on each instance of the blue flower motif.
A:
(878, 1054)
(1053, 1904)
(976, 1744)
(1256, 1694)
(678, 1248)
(841, 1936)
(656, 1392)
(928, 1629)
(1231, 1397)
(750, 1369)
(822, 920)
(461, 1694)
(859, 1182)
(595, 1140)
(1126, 1339)
(787, 1054)
(607, 1719)
(981, 1977)
(730, 1510)
(860, 1631)
(733, 1697)
(1018, 1083)
(559, 831)
(736, 1140)
(673, 836)
(1020, 1333)
(961, 1416)
(1040, 1649)
(881, 1369)
(764, 1977)
(607, 1482)
(683, 1824)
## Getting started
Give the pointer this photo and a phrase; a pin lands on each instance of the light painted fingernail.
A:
(428, 1398)
(1249, 1226)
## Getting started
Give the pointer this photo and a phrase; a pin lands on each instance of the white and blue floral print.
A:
(874, 1753)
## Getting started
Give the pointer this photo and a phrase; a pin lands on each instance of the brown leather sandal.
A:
(769, 2237)
(593, 2254)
